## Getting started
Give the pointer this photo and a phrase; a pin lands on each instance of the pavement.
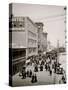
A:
(43, 78)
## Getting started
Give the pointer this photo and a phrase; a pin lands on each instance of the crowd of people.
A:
(28, 74)
(38, 64)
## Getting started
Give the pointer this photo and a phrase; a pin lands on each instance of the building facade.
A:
(24, 40)
(32, 38)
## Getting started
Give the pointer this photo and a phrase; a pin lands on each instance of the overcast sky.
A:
(52, 17)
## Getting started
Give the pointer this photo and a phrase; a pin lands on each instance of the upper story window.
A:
(20, 25)
(16, 22)
(14, 25)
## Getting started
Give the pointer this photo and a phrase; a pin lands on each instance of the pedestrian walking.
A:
(30, 73)
(27, 73)
(46, 67)
(55, 67)
(41, 68)
(23, 75)
(36, 69)
(50, 72)
(63, 79)
(35, 78)
(32, 80)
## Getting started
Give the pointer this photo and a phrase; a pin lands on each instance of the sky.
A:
(53, 18)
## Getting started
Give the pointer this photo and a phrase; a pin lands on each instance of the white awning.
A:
(17, 46)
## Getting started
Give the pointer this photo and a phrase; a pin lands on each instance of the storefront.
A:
(18, 60)
(17, 65)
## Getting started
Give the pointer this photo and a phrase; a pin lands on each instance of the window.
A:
(14, 25)
(34, 49)
(30, 50)
(20, 25)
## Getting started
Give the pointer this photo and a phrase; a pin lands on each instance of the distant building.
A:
(42, 38)
(24, 41)
(44, 42)
(40, 35)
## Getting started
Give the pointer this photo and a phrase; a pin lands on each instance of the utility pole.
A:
(56, 60)
(65, 25)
